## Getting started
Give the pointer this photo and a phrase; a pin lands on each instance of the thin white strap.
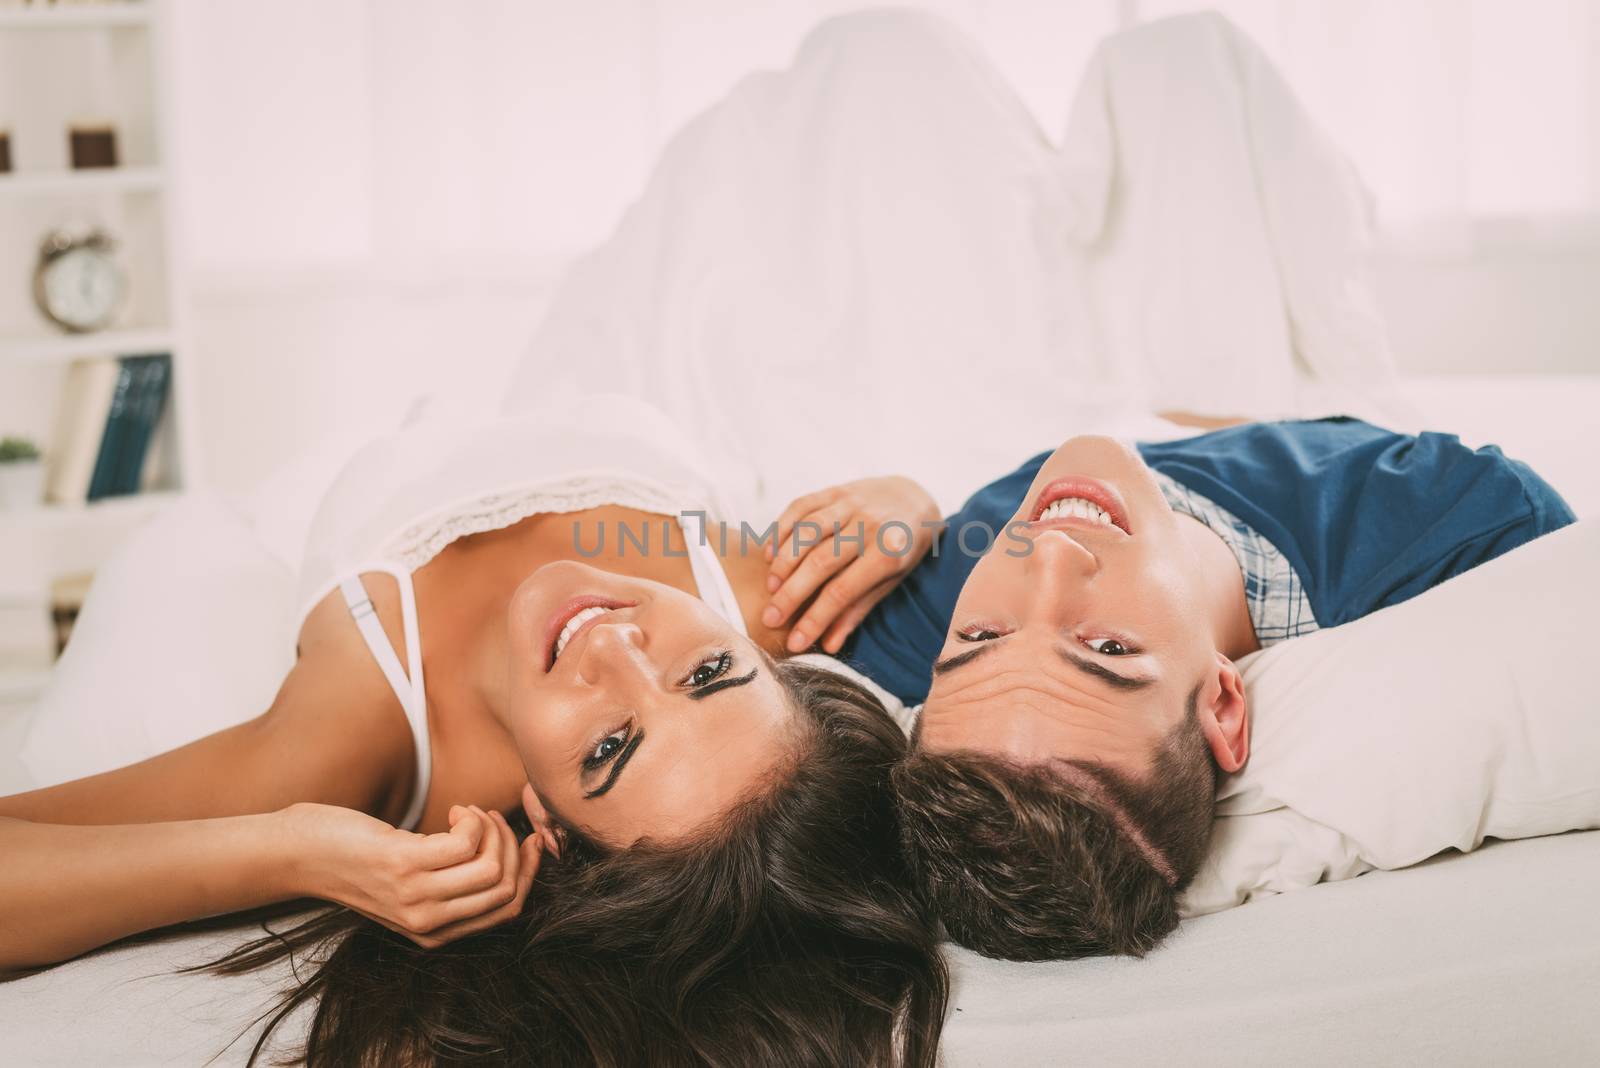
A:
(709, 577)
(410, 690)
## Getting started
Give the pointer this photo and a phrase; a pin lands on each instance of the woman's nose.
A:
(609, 649)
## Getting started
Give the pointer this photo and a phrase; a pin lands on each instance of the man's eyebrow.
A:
(950, 663)
(1105, 674)
(721, 684)
(616, 766)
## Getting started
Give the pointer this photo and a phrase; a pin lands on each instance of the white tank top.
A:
(402, 499)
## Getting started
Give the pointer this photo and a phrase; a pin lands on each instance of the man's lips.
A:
(1092, 490)
(563, 616)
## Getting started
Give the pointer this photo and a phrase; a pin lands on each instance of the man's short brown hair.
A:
(1057, 861)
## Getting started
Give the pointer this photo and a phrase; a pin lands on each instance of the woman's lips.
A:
(563, 616)
(1092, 490)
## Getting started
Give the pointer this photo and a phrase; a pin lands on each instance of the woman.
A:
(717, 826)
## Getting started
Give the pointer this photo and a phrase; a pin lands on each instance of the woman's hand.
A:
(432, 888)
(843, 549)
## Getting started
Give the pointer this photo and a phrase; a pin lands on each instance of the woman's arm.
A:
(1203, 422)
(65, 890)
(335, 734)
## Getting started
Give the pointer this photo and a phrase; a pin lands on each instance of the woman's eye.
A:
(607, 748)
(978, 634)
(1108, 647)
(709, 670)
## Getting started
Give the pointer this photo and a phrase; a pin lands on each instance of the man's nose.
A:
(611, 650)
(1057, 559)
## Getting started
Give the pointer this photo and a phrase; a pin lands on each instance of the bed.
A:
(1487, 957)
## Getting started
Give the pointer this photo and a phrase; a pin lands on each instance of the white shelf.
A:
(22, 684)
(116, 45)
(111, 512)
(66, 347)
(96, 180)
(74, 16)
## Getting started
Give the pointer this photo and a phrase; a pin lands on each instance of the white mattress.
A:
(1488, 958)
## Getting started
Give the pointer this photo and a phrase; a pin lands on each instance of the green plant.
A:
(17, 450)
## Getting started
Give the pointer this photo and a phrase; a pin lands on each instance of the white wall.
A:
(419, 136)
(375, 194)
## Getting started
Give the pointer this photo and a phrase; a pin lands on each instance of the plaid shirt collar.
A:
(1279, 608)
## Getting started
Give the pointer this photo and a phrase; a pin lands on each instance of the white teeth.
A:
(574, 623)
(1076, 508)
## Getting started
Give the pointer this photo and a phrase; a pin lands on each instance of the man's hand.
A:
(432, 888)
(843, 549)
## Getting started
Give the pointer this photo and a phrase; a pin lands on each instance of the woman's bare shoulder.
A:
(329, 634)
(335, 734)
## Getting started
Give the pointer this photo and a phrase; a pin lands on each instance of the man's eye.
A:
(708, 670)
(978, 634)
(1108, 647)
(608, 747)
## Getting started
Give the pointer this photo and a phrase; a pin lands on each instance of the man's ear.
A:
(549, 840)
(1224, 718)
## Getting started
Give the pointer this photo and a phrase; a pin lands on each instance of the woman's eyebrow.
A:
(720, 685)
(616, 766)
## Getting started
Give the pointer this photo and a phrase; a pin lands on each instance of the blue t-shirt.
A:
(1366, 517)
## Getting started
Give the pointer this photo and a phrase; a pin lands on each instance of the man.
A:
(1084, 697)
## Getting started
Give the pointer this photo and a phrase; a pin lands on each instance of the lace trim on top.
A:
(424, 539)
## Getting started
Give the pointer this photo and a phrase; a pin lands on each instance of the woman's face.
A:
(637, 710)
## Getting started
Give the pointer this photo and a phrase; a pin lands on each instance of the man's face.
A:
(1081, 635)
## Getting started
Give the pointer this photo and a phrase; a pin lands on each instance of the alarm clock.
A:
(78, 283)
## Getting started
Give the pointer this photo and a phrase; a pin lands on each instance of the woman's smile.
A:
(574, 619)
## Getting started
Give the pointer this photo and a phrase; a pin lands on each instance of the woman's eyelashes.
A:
(607, 749)
(711, 676)
(702, 679)
(980, 632)
(1110, 647)
(708, 670)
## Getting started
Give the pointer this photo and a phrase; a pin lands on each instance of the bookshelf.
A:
(65, 348)
(111, 179)
(61, 64)
(113, 13)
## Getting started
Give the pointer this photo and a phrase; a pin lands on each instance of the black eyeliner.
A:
(721, 684)
(616, 766)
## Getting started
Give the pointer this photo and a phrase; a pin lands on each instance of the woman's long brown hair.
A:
(789, 936)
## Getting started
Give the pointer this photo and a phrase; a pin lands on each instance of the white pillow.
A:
(188, 629)
(1469, 712)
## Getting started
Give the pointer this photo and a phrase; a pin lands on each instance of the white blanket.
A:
(874, 260)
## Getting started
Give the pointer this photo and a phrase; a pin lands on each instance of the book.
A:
(116, 430)
(147, 400)
(80, 423)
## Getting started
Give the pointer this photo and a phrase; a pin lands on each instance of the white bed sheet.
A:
(1487, 958)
